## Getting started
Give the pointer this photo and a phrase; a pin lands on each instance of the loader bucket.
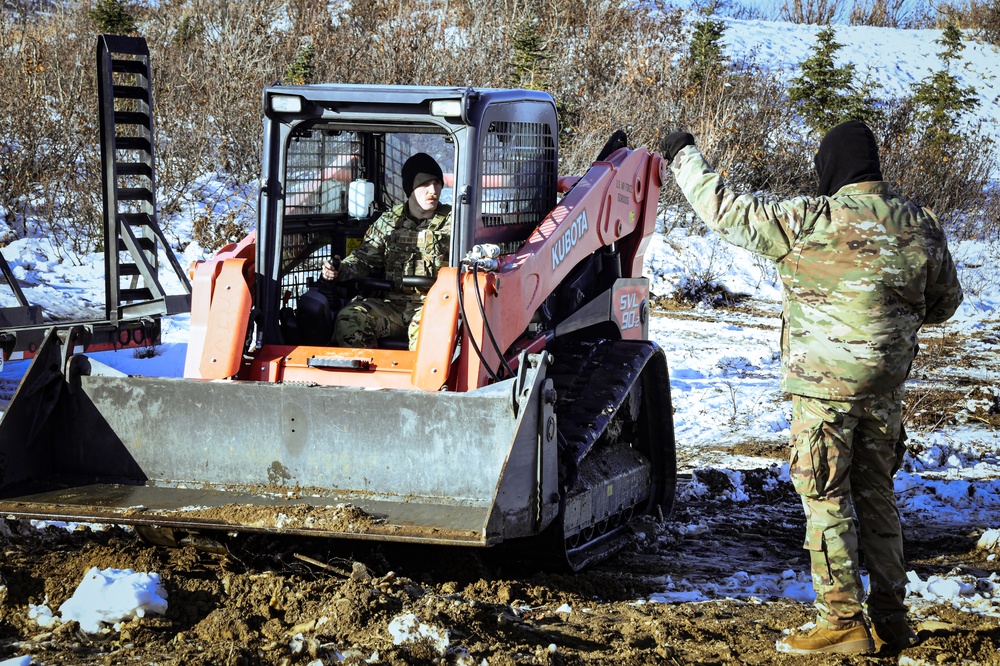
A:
(89, 444)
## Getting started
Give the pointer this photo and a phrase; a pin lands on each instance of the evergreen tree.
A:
(939, 98)
(822, 90)
(705, 59)
(529, 66)
(303, 69)
(188, 30)
(112, 17)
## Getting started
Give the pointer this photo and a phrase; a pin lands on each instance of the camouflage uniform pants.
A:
(363, 323)
(843, 458)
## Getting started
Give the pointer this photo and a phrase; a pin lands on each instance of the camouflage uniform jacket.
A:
(399, 246)
(861, 270)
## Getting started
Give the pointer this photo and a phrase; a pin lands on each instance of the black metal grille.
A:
(302, 257)
(519, 173)
(321, 165)
(396, 153)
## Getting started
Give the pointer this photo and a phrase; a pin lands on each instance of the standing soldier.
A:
(862, 270)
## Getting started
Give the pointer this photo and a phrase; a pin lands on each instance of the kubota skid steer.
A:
(533, 405)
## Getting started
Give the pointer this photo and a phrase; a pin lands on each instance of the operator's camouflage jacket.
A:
(399, 246)
(862, 271)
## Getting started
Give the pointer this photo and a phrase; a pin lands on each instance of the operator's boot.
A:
(850, 638)
(892, 636)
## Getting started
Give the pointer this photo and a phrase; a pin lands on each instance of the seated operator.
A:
(412, 239)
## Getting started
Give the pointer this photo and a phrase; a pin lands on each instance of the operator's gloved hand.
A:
(672, 144)
(331, 269)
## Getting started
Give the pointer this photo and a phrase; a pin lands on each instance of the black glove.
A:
(672, 144)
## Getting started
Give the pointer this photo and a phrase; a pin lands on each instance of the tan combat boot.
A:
(853, 639)
(893, 635)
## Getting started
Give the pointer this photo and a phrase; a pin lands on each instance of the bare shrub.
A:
(744, 124)
(48, 124)
(608, 66)
(981, 17)
(815, 12)
(605, 80)
(887, 14)
(216, 231)
(744, 12)
(207, 85)
(210, 62)
(380, 41)
(951, 178)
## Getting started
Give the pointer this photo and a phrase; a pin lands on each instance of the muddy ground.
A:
(296, 601)
(284, 600)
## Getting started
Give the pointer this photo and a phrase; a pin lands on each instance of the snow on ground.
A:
(724, 370)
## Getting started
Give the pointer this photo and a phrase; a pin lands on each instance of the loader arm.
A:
(220, 311)
(615, 202)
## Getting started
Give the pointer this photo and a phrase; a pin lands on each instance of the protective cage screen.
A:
(302, 256)
(519, 173)
(320, 167)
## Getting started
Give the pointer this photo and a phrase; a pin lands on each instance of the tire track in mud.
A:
(711, 542)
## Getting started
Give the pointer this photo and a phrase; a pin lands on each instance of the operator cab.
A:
(338, 181)
(331, 166)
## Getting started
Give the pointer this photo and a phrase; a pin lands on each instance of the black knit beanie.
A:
(847, 154)
(422, 165)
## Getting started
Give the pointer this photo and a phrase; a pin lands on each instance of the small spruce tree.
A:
(939, 98)
(529, 65)
(302, 70)
(861, 103)
(112, 17)
(188, 30)
(705, 59)
(822, 91)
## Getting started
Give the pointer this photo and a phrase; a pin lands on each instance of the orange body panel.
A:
(438, 332)
(227, 322)
(220, 315)
(427, 369)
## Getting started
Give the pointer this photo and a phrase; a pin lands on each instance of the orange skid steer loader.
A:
(533, 406)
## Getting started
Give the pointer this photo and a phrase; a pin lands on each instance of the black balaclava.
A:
(418, 170)
(847, 154)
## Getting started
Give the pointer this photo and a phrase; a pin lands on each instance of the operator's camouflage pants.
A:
(843, 458)
(363, 323)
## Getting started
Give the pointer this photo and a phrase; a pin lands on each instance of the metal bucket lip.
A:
(227, 510)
